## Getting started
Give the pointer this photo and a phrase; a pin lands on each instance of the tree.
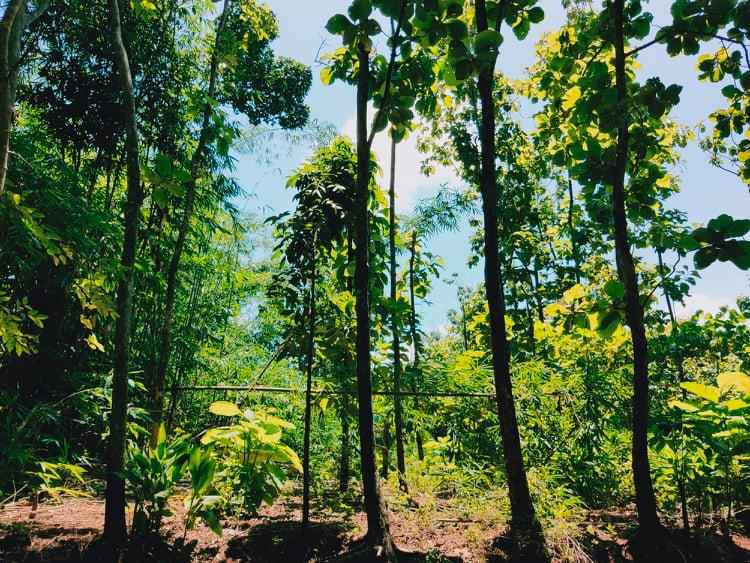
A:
(278, 88)
(471, 50)
(319, 222)
(644, 492)
(114, 518)
(357, 34)
(395, 323)
(15, 21)
(621, 164)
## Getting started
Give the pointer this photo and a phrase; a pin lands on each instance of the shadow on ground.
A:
(288, 542)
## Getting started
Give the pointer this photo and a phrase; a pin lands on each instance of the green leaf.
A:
(212, 521)
(487, 40)
(683, 406)
(535, 14)
(707, 392)
(571, 97)
(360, 10)
(615, 290)
(338, 24)
(704, 258)
(224, 408)
(326, 76)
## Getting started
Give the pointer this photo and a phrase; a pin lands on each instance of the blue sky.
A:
(706, 191)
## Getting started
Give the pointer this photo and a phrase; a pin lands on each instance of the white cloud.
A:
(411, 184)
(703, 302)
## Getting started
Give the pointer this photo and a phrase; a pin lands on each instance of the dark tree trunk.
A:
(415, 339)
(165, 336)
(395, 328)
(376, 526)
(114, 514)
(644, 490)
(464, 328)
(308, 393)
(345, 454)
(527, 533)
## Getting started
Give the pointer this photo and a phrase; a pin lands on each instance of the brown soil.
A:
(67, 530)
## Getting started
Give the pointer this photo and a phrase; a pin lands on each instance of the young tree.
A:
(471, 50)
(395, 323)
(618, 144)
(114, 517)
(644, 492)
(353, 63)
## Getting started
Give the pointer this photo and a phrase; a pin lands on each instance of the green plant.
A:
(251, 456)
(199, 504)
(152, 476)
(56, 479)
(718, 417)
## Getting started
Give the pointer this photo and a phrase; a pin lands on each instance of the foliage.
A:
(251, 457)
(153, 476)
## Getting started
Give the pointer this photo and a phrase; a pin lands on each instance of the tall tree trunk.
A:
(377, 523)
(575, 251)
(644, 491)
(308, 393)
(395, 328)
(114, 514)
(345, 453)
(681, 378)
(14, 22)
(10, 36)
(165, 336)
(415, 339)
(527, 534)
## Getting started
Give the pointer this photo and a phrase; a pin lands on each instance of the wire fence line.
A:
(266, 389)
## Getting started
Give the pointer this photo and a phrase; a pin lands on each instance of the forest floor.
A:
(67, 530)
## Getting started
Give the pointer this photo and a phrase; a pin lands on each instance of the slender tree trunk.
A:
(415, 339)
(464, 328)
(377, 524)
(575, 251)
(10, 35)
(345, 454)
(395, 329)
(681, 378)
(14, 22)
(165, 336)
(308, 394)
(528, 537)
(644, 490)
(114, 514)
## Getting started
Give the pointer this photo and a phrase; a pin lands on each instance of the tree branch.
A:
(388, 74)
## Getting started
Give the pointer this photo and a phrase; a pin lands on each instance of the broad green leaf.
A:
(707, 392)
(487, 40)
(683, 406)
(734, 380)
(224, 408)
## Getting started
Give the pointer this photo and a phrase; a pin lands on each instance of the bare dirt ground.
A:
(67, 530)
